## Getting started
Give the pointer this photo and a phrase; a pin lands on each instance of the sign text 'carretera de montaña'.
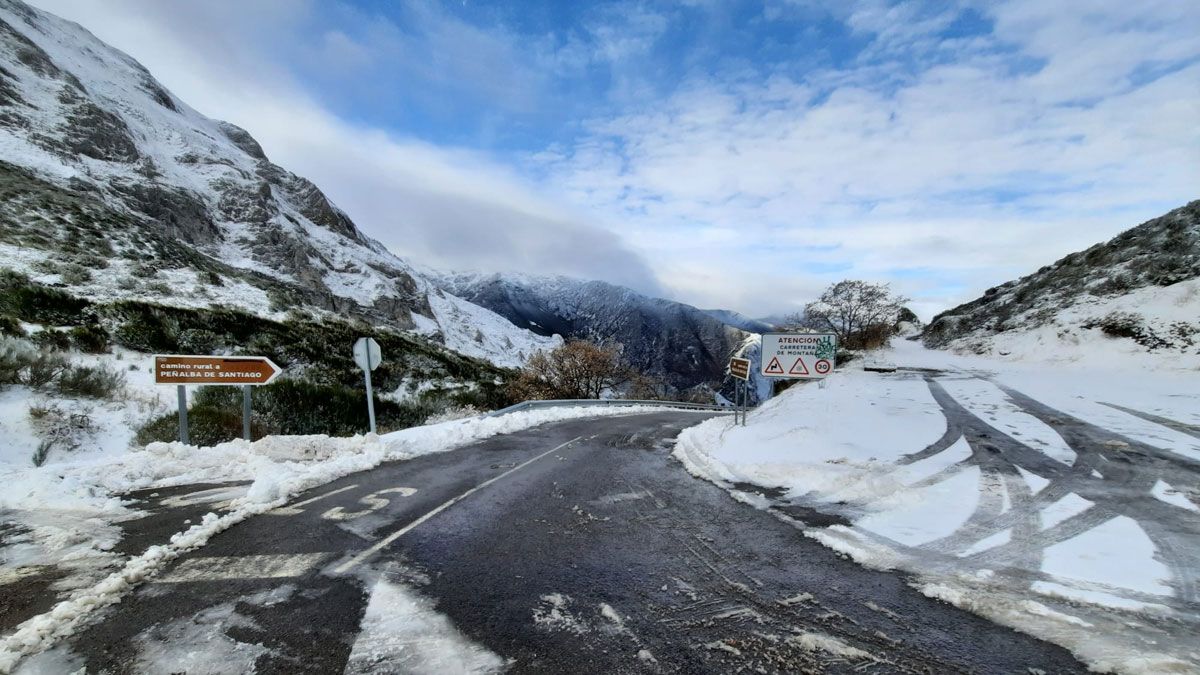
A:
(806, 356)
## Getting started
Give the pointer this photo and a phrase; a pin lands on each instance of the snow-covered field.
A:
(70, 510)
(1060, 498)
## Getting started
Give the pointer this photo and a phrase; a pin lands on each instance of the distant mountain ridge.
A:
(1141, 288)
(739, 320)
(114, 187)
(685, 346)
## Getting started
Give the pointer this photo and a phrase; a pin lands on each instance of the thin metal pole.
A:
(246, 411)
(370, 400)
(183, 421)
(745, 400)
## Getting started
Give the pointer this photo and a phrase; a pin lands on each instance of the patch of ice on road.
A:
(1068, 506)
(723, 646)
(609, 613)
(1035, 482)
(57, 661)
(1053, 589)
(933, 512)
(402, 632)
(848, 542)
(1106, 554)
(553, 614)
(1170, 495)
(797, 599)
(1034, 607)
(819, 642)
(198, 645)
(999, 539)
(992, 405)
(921, 469)
(622, 497)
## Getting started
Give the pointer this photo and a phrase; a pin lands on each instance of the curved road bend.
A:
(590, 550)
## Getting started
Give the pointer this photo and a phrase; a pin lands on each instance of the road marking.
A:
(373, 501)
(293, 509)
(243, 567)
(224, 494)
(386, 541)
(16, 574)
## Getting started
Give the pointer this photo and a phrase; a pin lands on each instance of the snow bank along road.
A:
(578, 546)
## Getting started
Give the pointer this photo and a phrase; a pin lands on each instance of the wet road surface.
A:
(587, 549)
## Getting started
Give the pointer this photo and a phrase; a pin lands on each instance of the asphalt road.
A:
(577, 547)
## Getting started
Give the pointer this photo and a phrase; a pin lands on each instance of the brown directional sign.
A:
(239, 370)
(739, 368)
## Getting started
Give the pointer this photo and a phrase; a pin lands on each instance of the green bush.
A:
(11, 326)
(90, 382)
(145, 329)
(35, 303)
(22, 363)
(207, 425)
(90, 338)
(197, 341)
(75, 275)
(49, 338)
(293, 407)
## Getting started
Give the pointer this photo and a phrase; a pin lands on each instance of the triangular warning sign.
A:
(774, 367)
(799, 367)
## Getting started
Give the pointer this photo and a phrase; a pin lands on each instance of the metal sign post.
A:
(246, 411)
(368, 356)
(183, 421)
(739, 369)
(245, 371)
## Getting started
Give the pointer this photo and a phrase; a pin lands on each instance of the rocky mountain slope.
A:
(740, 321)
(113, 187)
(682, 344)
(1136, 294)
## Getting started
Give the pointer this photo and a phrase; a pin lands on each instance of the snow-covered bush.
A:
(58, 428)
(23, 363)
(90, 338)
(90, 382)
(453, 413)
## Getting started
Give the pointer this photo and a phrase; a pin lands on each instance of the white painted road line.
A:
(373, 502)
(15, 574)
(386, 541)
(293, 509)
(243, 567)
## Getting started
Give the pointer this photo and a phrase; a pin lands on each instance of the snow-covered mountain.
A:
(739, 320)
(678, 342)
(1134, 296)
(114, 187)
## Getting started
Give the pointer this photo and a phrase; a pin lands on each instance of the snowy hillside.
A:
(117, 189)
(1061, 501)
(1136, 297)
(739, 320)
(678, 342)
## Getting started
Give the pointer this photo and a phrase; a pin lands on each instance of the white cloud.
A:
(446, 207)
(974, 170)
(944, 165)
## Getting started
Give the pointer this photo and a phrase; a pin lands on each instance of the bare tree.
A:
(577, 369)
(862, 314)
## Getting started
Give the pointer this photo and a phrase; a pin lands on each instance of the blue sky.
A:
(735, 154)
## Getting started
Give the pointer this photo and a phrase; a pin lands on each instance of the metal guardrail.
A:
(604, 403)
